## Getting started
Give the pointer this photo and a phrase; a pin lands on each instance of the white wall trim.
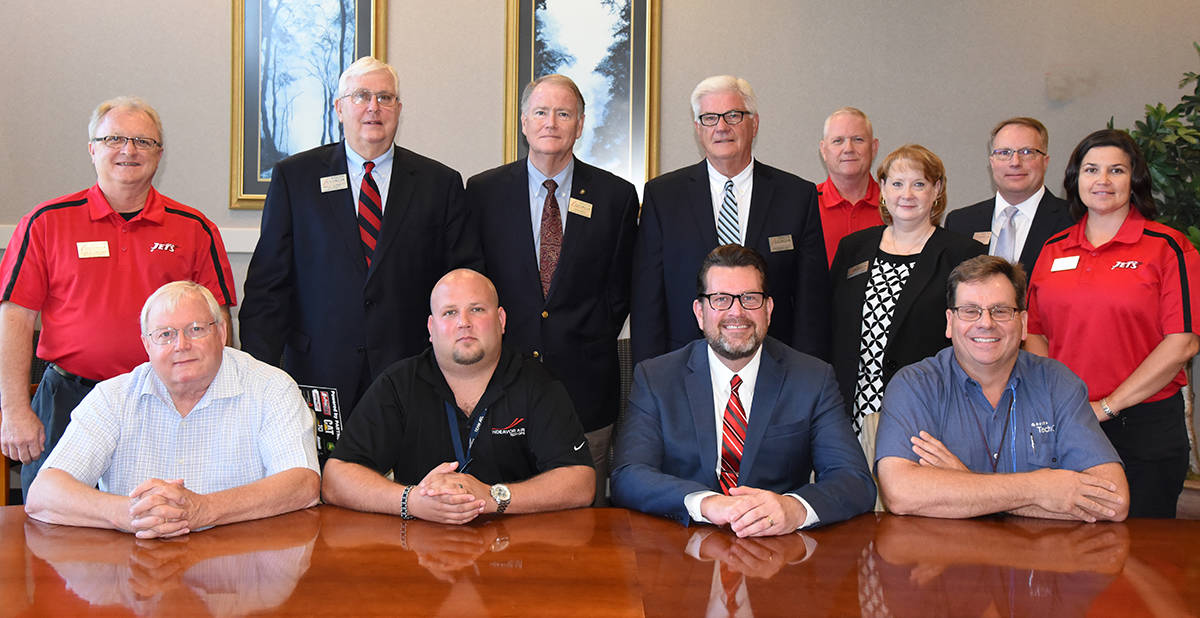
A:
(237, 239)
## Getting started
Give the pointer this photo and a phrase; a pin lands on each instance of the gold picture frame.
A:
(249, 159)
(641, 105)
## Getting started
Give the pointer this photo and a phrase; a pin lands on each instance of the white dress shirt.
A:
(1022, 221)
(743, 186)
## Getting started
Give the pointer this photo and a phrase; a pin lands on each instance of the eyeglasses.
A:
(971, 313)
(721, 301)
(1006, 154)
(117, 142)
(168, 335)
(363, 97)
(732, 117)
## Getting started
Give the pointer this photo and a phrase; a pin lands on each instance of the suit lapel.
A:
(766, 396)
(400, 191)
(699, 202)
(920, 277)
(1039, 230)
(340, 209)
(576, 231)
(760, 204)
(514, 202)
(698, 385)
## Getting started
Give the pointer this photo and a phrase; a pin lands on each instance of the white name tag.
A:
(92, 249)
(580, 208)
(982, 238)
(336, 182)
(1065, 263)
(780, 243)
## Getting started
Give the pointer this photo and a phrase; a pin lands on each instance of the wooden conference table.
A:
(603, 562)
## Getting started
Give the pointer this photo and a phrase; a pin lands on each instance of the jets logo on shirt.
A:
(162, 246)
(512, 430)
(1130, 265)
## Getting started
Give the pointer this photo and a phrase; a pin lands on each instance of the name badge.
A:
(580, 208)
(781, 243)
(337, 182)
(1065, 263)
(983, 238)
(92, 249)
(857, 269)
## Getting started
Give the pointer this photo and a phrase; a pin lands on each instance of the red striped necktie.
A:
(370, 212)
(733, 437)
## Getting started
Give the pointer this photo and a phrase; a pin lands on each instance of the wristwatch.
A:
(502, 496)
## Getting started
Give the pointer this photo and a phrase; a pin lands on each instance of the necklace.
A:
(912, 248)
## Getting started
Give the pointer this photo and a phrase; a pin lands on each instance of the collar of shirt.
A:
(382, 174)
(829, 197)
(743, 187)
(1130, 232)
(720, 375)
(1023, 220)
(99, 208)
(224, 385)
(537, 198)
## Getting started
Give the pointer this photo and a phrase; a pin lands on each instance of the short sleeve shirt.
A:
(840, 218)
(401, 425)
(1043, 420)
(1104, 309)
(88, 271)
(251, 423)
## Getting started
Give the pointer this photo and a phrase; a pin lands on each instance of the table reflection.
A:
(1011, 567)
(223, 571)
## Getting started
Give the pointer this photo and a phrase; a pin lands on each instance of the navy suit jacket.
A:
(309, 295)
(678, 230)
(666, 445)
(1052, 217)
(574, 330)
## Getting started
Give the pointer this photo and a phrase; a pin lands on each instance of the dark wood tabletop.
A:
(603, 562)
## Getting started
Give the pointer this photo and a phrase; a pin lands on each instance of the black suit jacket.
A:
(919, 319)
(574, 330)
(678, 230)
(309, 295)
(1052, 217)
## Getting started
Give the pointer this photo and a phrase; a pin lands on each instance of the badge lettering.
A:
(580, 208)
(983, 238)
(92, 249)
(337, 182)
(781, 243)
(858, 269)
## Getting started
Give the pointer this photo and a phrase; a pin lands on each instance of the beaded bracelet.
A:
(404, 504)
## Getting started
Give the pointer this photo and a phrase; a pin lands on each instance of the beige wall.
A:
(928, 71)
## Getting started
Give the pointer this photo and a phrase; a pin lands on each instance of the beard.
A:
(467, 356)
(734, 351)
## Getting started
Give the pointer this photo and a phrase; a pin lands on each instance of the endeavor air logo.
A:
(512, 430)
(163, 246)
(1131, 265)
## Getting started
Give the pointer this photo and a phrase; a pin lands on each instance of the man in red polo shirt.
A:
(849, 198)
(85, 262)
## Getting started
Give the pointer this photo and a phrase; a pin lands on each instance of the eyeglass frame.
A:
(990, 311)
(119, 142)
(208, 330)
(716, 118)
(367, 95)
(741, 298)
(1023, 154)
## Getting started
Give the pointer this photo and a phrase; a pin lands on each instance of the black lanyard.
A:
(464, 459)
(994, 456)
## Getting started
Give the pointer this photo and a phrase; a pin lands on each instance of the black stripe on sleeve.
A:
(212, 249)
(25, 242)
(1183, 277)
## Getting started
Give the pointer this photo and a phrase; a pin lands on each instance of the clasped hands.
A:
(749, 511)
(164, 509)
(449, 497)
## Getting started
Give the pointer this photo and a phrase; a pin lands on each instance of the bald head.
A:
(463, 278)
(466, 322)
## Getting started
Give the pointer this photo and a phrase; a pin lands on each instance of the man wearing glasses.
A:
(729, 429)
(984, 427)
(465, 428)
(1024, 214)
(201, 435)
(351, 233)
(85, 261)
(728, 198)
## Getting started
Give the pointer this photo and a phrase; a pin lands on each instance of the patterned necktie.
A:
(733, 437)
(728, 230)
(1006, 243)
(370, 212)
(551, 237)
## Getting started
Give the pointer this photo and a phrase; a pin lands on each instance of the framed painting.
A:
(609, 48)
(287, 57)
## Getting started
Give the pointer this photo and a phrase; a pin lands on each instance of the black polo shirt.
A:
(400, 423)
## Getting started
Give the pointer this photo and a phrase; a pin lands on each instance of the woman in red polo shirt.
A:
(1113, 297)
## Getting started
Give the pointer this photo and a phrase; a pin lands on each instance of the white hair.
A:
(169, 295)
(132, 103)
(724, 83)
(362, 66)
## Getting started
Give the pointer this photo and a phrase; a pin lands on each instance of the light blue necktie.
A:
(1007, 242)
(728, 230)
